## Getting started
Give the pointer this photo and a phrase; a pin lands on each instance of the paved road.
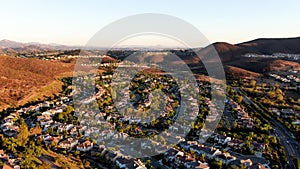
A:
(290, 145)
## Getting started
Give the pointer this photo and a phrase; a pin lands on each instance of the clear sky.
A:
(74, 22)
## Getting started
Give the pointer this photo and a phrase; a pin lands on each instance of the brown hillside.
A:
(235, 72)
(229, 52)
(272, 45)
(280, 65)
(22, 80)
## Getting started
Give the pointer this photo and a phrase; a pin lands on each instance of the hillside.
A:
(236, 73)
(10, 44)
(22, 79)
(232, 55)
(230, 52)
(269, 46)
(280, 65)
(9, 48)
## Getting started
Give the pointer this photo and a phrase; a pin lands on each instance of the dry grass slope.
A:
(281, 65)
(22, 80)
(236, 72)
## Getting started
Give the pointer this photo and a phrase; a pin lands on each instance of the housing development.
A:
(97, 120)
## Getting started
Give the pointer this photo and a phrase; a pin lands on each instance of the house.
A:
(51, 139)
(46, 113)
(64, 127)
(55, 124)
(226, 157)
(244, 119)
(236, 144)
(201, 149)
(9, 161)
(247, 162)
(197, 165)
(238, 162)
(11, 117)
(85, 146)
(184, 160)
(91, 131)
(45, 122)
(99, 116)
(10, 130)
(81, 129)
(68, 143)
(57, 110)
(185, 145)
(275, 110)
(260, 147)
(296, 122)
(69, 127)
(202, 166)
(73, 131)
(42, 117)
(107, 134)
(17, 167)
(136, 131)
(129, 163)
(172, 154)
(219, 138)
(5, 125)
(121, 136)
(258, 166)
(287, 112)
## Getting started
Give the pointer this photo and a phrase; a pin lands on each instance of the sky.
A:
(74, 22)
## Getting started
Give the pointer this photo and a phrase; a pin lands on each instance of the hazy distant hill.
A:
(11, 47)
(10, 44)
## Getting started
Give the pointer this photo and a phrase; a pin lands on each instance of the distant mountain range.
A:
(226, 51)
(230, 54)
(8, 46)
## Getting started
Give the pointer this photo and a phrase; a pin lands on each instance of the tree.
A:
(23, 134)
(69, 110)
(252, 83)
(86, 164)
(148, 163)
(12, 147)
(217, 164)
(239, 99)
(280, 97)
